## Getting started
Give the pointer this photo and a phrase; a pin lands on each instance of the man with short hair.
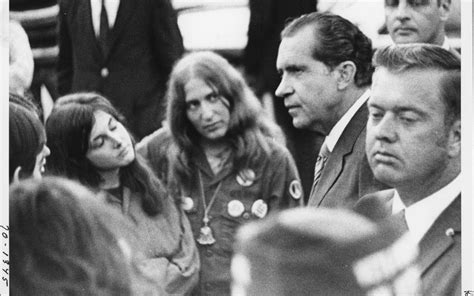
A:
(414, 145)
(325, 66)
(418, 21)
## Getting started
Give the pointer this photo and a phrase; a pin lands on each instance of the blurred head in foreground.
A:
(308, 251)
(63, 243)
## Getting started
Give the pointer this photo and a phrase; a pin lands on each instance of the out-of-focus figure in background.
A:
(267, 19)
(310, 251)
(422, 21)
(224, 157)
(64, 241)
(123, 49)
(39, 18)
(20, 60)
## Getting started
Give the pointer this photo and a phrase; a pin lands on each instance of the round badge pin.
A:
(187, 203)
(259, 208)
(245, 177)
(295, 189)
(235, 208)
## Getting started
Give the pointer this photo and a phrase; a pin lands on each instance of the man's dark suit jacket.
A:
(347, 176)
(144, 44)
(440, 248)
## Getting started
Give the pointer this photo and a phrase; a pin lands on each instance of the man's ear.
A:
(454, 139)
(444, 9)
(345, 74)
(16, 175)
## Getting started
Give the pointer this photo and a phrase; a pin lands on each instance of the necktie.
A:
(320, 162)
(104, 30)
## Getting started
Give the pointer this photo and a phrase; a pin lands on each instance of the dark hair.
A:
(249, 127)
(336, 40)
(68, 129)
(405, 57)
(27, 139)
(64, 241)
(26, 102)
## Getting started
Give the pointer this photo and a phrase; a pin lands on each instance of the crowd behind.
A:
(324, 166)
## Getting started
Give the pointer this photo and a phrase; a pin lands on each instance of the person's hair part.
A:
(249, 128)
(336, 40)
(68, 129)
(406, 57)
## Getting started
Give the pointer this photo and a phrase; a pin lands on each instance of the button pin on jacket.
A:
(245, 177)
(235, 208)
(187, 203)
(295, 189)
(259, 208)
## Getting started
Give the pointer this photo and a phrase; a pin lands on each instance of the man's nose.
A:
(284, 88)
(386, 129)
(403, 10)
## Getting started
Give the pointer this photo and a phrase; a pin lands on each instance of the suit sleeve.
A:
(284, 184)
(64, 65)
(167, 39)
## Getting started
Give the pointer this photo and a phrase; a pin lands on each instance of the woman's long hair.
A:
(68, 130)
(250, 129)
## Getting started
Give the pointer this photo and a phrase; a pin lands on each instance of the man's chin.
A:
(405, 39)
(388, 178)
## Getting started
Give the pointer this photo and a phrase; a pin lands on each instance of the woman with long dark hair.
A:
(221, 154)
(89, 143)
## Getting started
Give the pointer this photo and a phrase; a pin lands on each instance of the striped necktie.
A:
(320, 162)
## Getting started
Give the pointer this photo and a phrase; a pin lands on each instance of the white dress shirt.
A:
(111, 6)
(336, 132)
(422, 214)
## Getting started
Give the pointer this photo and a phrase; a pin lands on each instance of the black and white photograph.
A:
(237, 147)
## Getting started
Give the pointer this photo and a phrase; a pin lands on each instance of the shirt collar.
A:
(336, 131)
(422, 214)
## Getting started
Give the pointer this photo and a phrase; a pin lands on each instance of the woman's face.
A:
(110, 145)
(40, 162)
(206, 110)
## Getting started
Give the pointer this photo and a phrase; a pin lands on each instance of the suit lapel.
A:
(436, 241)
(343, 148)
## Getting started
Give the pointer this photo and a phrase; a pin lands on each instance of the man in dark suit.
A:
(267, 19)
(414, 144)
(123, 49)
(325, 66)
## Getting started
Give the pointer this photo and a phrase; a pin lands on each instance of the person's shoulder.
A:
(277, 150)
(374, 205)
(160, 137)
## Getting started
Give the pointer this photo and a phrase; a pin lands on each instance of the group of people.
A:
(162, 214)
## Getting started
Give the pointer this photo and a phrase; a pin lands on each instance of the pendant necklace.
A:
(205, 236)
